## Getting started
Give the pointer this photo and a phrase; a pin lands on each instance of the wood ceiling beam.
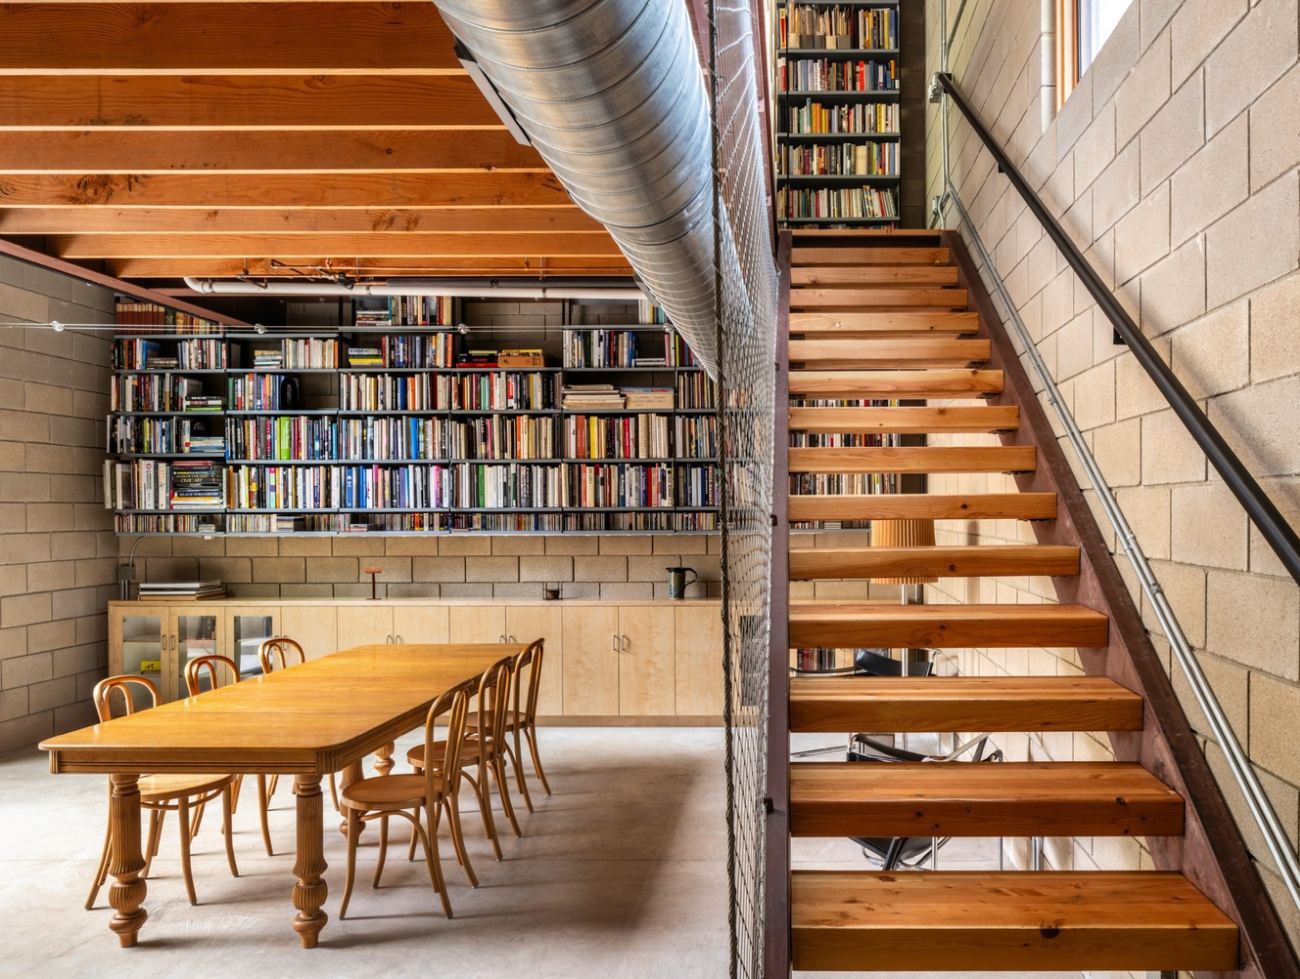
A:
(244, 102)
(350, 190)
(368, 267)
(225, 39)
(266, 152)
(306, 221)
(414, 245)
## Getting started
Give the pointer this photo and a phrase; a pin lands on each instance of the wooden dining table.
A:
(307, 721)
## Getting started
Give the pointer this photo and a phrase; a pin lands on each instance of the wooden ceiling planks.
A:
(357, 133)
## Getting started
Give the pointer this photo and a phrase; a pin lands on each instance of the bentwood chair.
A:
(212, 668)
(161, 794)
(521, 718)
(432, 790)
(482, 748)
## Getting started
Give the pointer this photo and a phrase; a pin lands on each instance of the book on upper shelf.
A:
(809, 27)
(130, 315)
(409, 310)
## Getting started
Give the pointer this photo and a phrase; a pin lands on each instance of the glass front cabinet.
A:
(156, 641)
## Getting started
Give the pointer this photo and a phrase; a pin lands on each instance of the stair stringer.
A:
(1212, 853)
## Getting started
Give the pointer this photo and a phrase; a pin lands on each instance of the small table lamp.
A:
(373, 587)
(902, 533)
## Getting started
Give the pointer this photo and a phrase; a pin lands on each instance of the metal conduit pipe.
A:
(471, 288)
(611, 94)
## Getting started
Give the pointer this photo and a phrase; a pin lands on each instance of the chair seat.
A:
(167, 788)
(468, 753)
(385, 792)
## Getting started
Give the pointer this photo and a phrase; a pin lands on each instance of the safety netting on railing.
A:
(746, 286)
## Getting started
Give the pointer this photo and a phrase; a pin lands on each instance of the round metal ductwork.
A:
(611, 94)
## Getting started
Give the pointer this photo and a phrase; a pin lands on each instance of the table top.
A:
(310, 719)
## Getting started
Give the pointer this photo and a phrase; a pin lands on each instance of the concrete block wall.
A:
(1174, 168)
(57, 554)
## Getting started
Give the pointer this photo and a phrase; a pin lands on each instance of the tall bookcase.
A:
(838, 115)
(400, 429)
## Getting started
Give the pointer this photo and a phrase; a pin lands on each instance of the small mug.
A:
(677, 581)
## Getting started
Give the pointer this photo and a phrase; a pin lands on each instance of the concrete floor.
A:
(620, 875)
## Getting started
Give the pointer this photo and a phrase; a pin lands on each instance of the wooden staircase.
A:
(895, 316)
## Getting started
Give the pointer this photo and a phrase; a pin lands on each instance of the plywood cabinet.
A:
(647, 685)
(651, 660)
(477, 623)
(698, 642)
(524, 623)
(591, 660)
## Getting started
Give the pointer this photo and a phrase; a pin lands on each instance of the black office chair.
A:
(909, 852)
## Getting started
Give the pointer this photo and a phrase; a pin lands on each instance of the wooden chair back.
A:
(102, 695)
(454, 705)
(494, 700)
(525, 701)
(280, 653)
(197, 667)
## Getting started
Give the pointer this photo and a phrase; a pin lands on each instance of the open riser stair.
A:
(875, 316)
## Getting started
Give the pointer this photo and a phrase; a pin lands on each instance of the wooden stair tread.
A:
(958, 561)
(865, 275)
(892, 321)
(913, 459)
(907, 421)
(938, 297)
(863, 624)
(857, 354)
(918, 384)
(904, 506)
(870, 255)
(962, 703)
(981, 799)
(949, 920)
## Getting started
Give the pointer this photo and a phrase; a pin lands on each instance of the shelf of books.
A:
(837, 117)
(402, 424)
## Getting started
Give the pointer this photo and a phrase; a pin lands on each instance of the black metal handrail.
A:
(1279, 534)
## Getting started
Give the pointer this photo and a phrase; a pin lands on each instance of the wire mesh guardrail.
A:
(746, 319)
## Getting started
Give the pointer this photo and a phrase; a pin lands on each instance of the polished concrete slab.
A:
(621, 874)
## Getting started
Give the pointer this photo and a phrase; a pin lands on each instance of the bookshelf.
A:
(400, 424)
(838, 133)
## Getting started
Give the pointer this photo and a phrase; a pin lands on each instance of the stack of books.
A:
(178, 590)
(373, 318)
(365, 357)
(593, 397)
(648, 399)
(196, 440)
(267, 357)
(196, 484)
(203, 402)
(478, 358)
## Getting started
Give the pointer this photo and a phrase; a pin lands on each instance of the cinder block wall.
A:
(1174, 167)
(57, 556)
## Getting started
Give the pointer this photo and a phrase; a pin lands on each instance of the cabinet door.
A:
(139, 641)
(476, 623)
(247, 627)
(364, 625)
(524, 623)
(590, 662)
(647, 684)
(420, 623)
(698, 642)
(314, 627)
(194, 633)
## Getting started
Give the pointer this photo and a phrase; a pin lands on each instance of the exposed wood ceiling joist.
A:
(265, 152)
(304, 221)
(225, 39)
(207, 138)
(503, 245)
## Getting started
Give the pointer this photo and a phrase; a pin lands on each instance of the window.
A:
(1082, 27)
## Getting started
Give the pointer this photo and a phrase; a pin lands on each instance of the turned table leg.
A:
(126, 894)
(384, 758)
(310, 890)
